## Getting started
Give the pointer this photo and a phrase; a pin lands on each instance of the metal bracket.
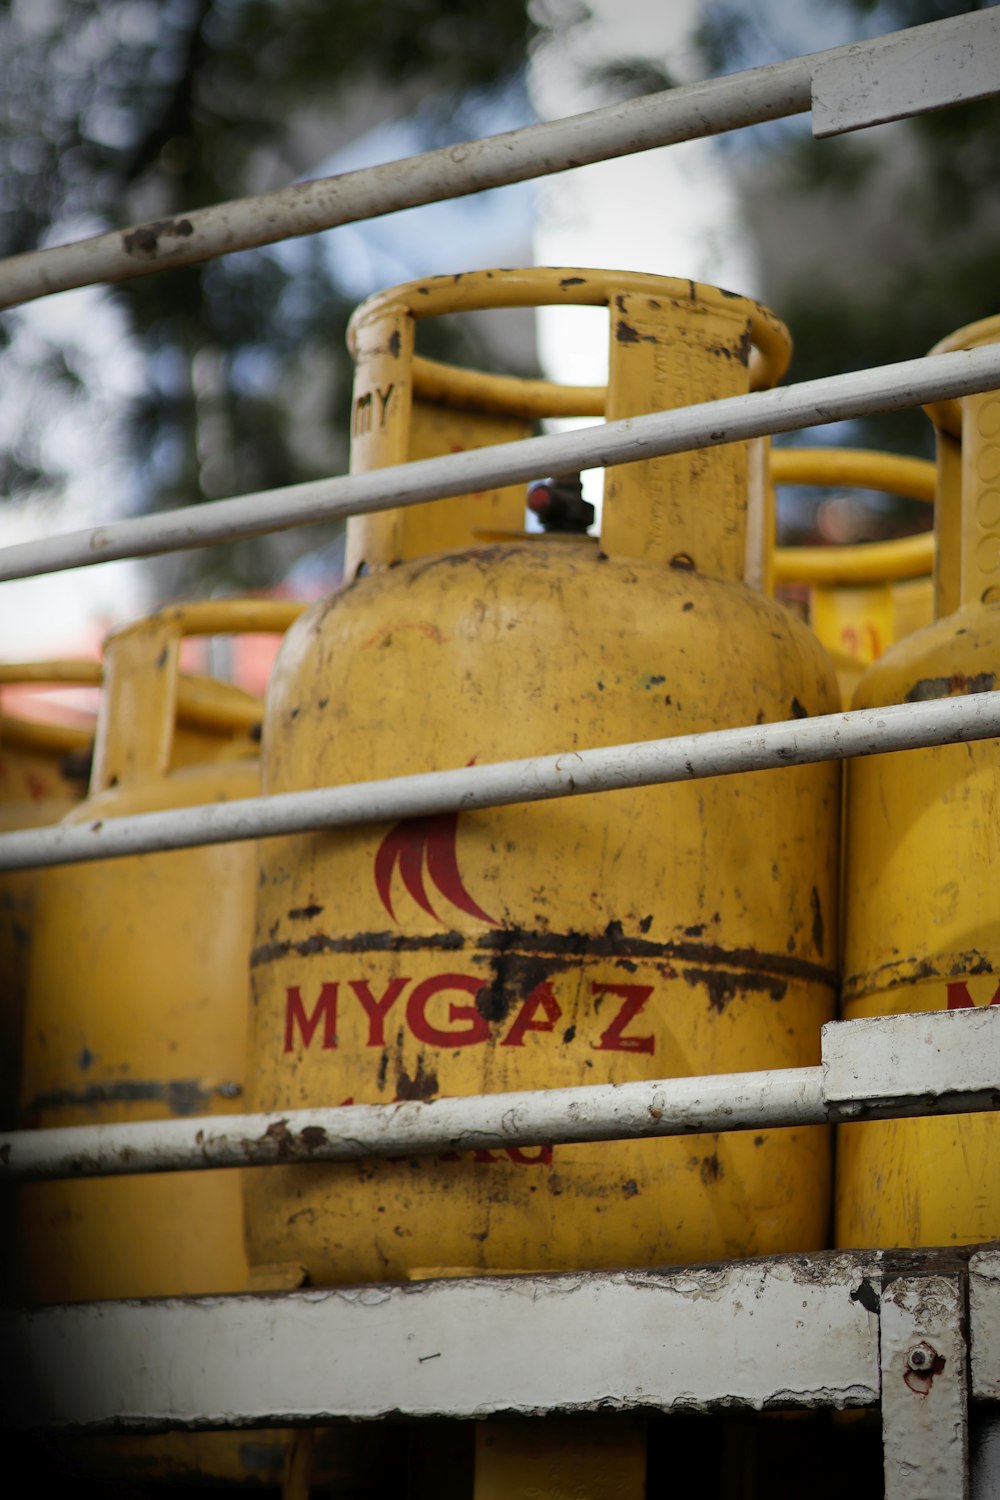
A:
(789, 1331)
(946, 62)
(912, 1064)
(925, 1389)
(984, 1322)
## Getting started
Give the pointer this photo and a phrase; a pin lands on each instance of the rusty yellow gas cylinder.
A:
(861, 598)
(646, 934)
(43, 775)
(922, 930)
(44, 772)
(137, 990)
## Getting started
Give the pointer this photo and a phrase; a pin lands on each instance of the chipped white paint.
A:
(750, 1333)
(907, 73)
(925, 1436)
(598, 1112)
(844, 87)
(912, 1060)
(723, 752)
(984, 1321)
(708, 424)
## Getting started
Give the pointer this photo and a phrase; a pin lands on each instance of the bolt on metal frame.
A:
(737, 1334)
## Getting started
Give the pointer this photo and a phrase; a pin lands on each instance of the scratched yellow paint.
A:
(922, 930)
(136, 1005)
(635, 935)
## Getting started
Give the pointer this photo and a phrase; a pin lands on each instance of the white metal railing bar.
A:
(905, 73)
(594, 1112)
(708, 424)
(939, 1062)
(572, 773)
(789, 1330)
(685, 113)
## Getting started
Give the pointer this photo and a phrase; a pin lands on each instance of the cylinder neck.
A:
(672, 343)
(391, 424)
(138, 720)
(135, 728)
(686, 510)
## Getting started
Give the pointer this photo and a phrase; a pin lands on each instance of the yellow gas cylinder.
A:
(137, 990)
(922, 930)
(44, 772)
(861, 598)
(213, 721)
(646, 934)
(43, 775)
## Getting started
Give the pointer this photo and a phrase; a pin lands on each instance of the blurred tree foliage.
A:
(871, 246)
(115, 111)
(118, 111)
(875, 245)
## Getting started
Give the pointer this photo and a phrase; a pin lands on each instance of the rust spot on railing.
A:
(145, 240)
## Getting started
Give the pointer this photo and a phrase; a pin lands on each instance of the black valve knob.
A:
(559, 504)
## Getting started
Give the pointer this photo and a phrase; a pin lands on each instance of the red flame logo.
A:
(414, 843)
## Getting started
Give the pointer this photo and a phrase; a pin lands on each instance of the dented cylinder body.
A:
(668, 931)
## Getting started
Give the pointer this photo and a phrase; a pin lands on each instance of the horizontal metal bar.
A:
(892, 77)
(688, 112)
(924, 1064)
(680, 114)
(595, 1112)
(797, 1331)
(792, 1331)
(573, 773)
(705, 425)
